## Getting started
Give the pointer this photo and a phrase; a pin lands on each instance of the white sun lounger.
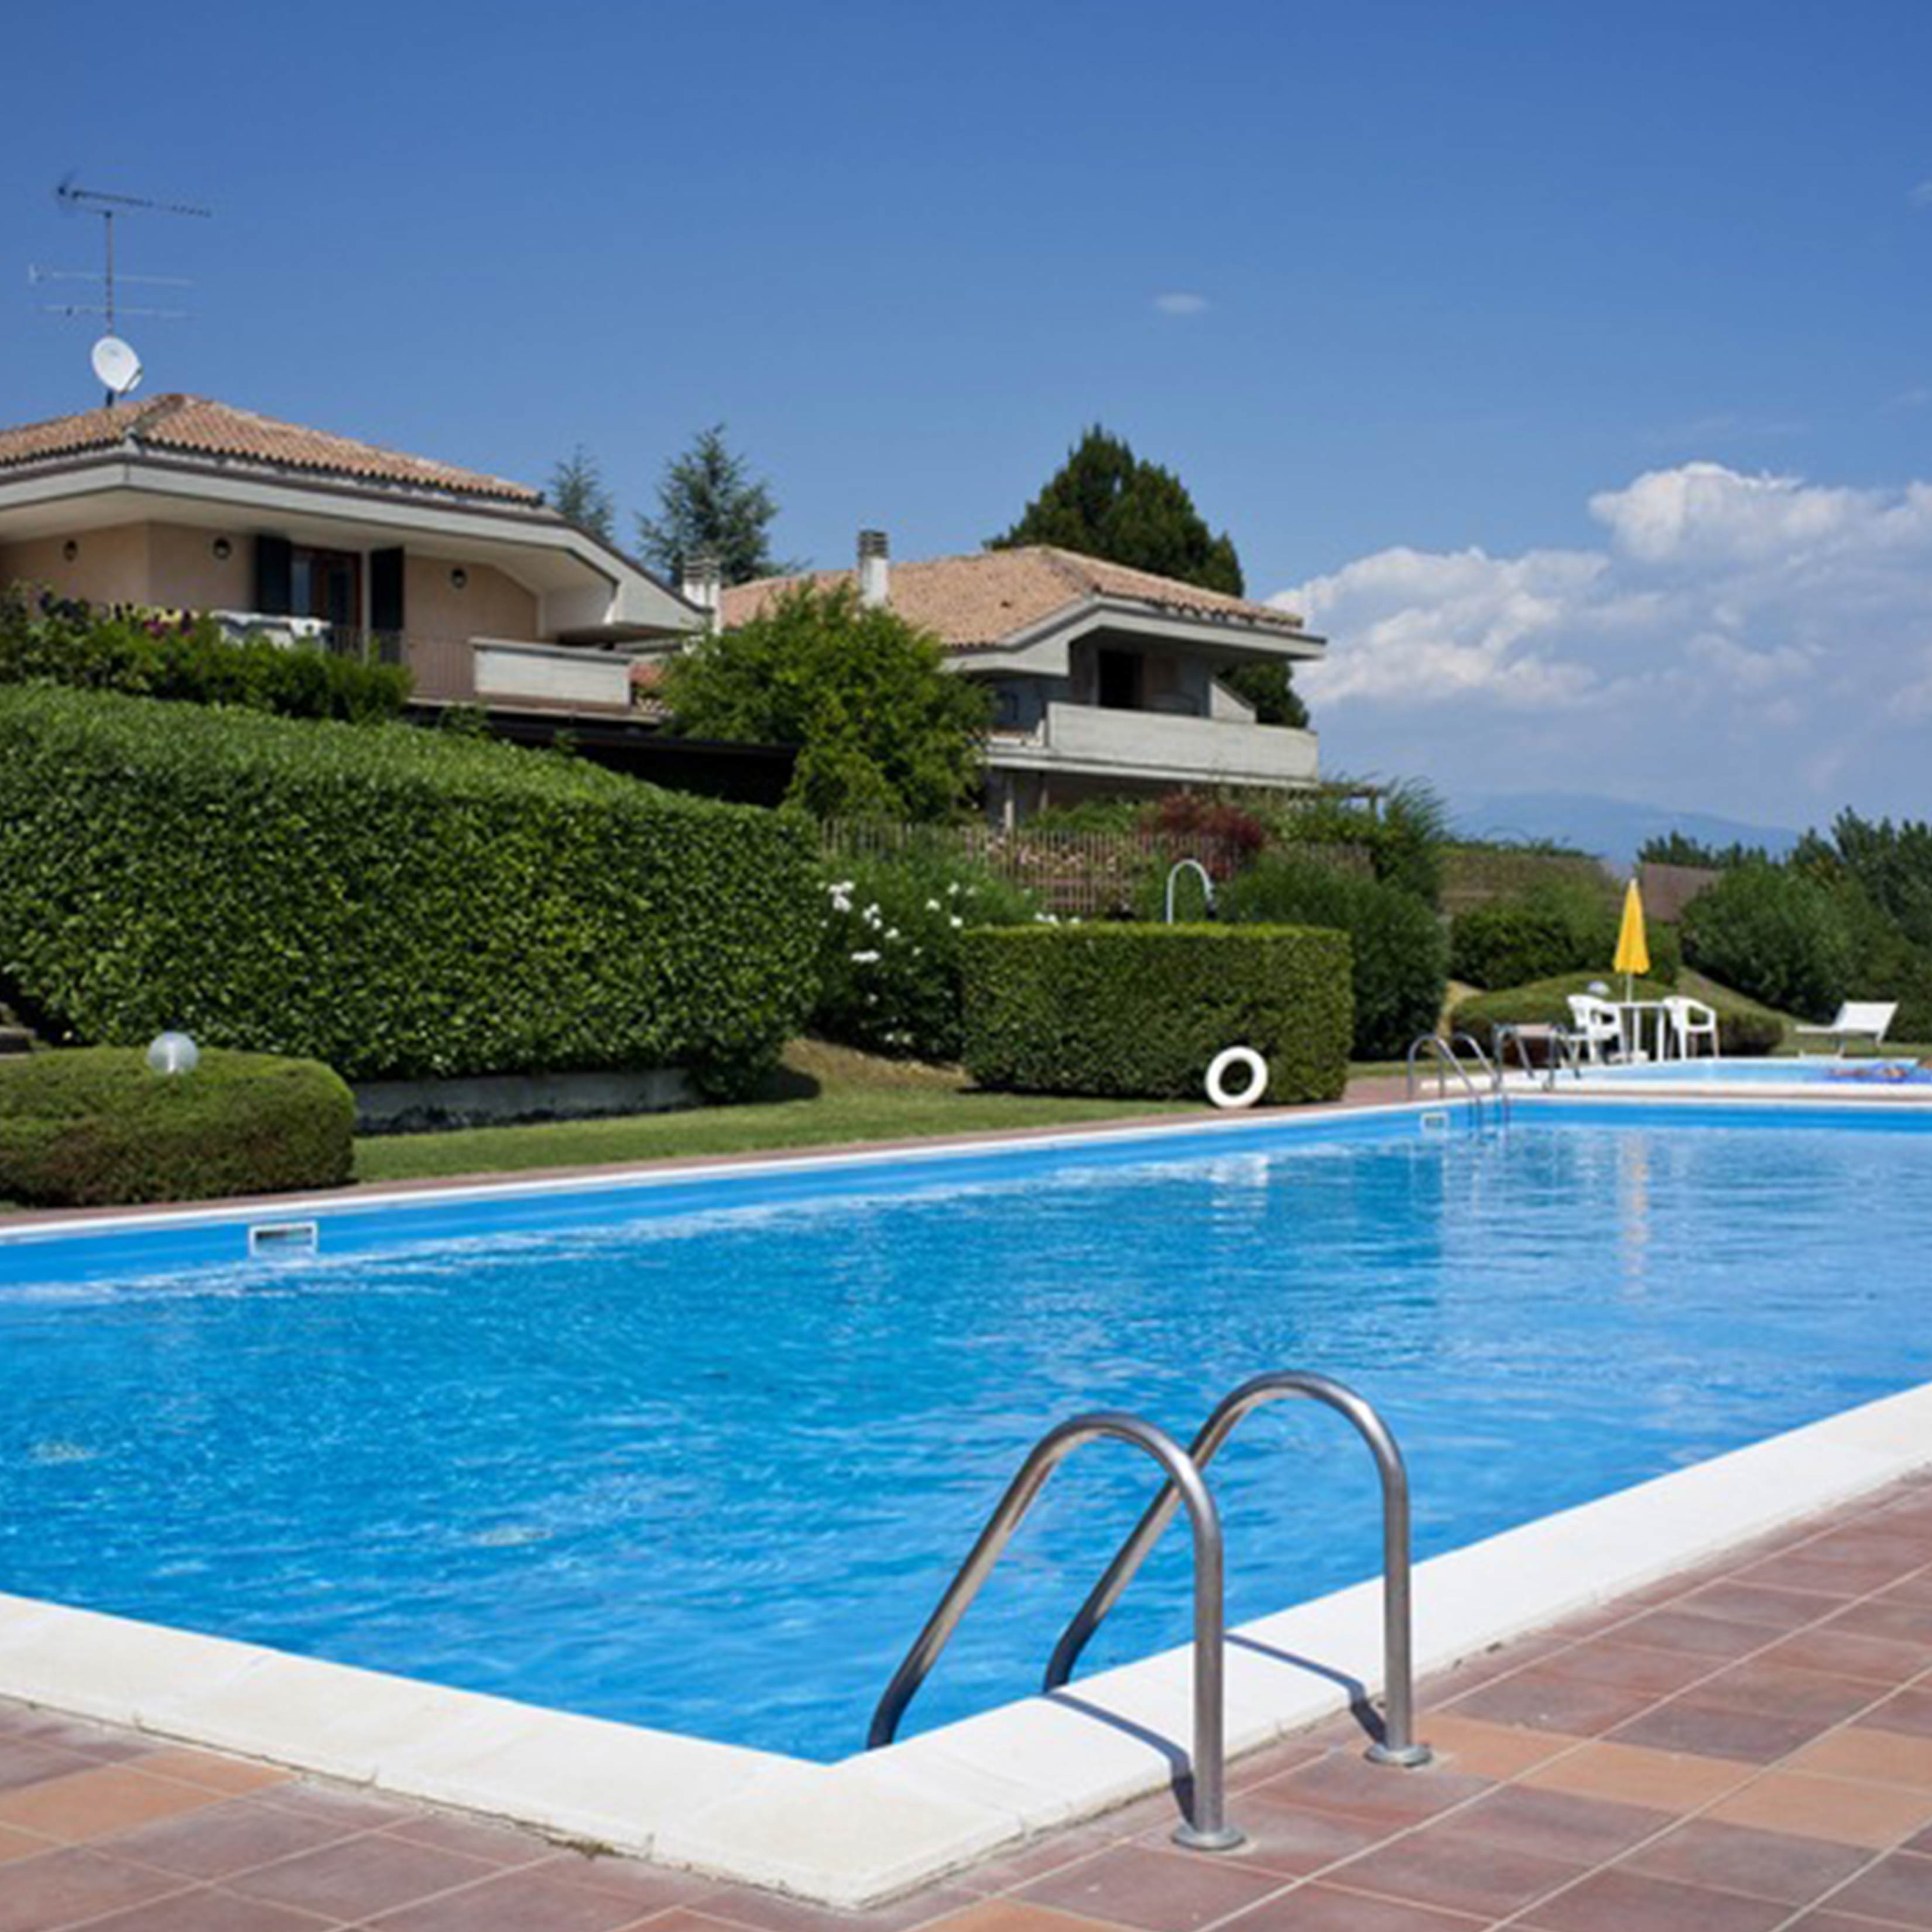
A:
(1857, 1019)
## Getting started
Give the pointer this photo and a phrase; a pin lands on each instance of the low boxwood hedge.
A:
(1139, 1011)
(92, 1127)
(394, 902)
(1742, 1030)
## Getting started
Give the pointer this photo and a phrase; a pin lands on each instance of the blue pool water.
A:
(709, 1469)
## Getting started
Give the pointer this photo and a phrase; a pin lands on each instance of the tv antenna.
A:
(115, 363)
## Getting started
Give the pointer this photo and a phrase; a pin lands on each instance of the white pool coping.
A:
(879, 1823)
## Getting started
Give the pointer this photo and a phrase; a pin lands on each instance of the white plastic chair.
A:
(1596, 1025)
(1689, 1022)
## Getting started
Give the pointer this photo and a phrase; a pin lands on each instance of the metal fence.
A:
(1074, 874)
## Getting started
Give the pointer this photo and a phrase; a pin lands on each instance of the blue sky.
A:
(1455, 275)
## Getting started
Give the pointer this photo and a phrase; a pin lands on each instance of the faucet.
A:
(1174, 870)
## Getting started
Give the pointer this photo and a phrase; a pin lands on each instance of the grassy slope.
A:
(827, 1095)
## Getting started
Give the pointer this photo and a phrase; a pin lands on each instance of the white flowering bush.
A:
(889, 958)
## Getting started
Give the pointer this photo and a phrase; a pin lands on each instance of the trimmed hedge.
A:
(395, 902)
(1742, 1030)
(1139, 1011)
(92, 1127)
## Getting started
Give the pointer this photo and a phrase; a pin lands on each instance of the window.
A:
(325, 584)
(1120, 680)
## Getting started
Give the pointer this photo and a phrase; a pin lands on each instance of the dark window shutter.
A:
(275, 572)
(386, 590)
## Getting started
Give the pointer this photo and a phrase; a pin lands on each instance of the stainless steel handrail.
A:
(1447, 1055)
(1444, 1054)
(1206, 1828)
(1397, 1745)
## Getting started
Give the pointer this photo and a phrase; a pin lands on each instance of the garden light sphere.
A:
(173, 1053)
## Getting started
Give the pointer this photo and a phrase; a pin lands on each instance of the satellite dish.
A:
(117, 365)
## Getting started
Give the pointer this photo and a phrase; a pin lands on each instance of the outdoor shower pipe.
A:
(1206, 1829)
(1174, 871)
(1397, 1745)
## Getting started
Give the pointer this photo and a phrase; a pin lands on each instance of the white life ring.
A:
(1225, 1063)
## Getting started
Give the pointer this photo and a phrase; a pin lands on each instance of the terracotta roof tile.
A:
(973, 603)
(195, 426)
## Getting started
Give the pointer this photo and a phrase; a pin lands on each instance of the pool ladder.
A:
(1447, 1051)
(1205, 1827)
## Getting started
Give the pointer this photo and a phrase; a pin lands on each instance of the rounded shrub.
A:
(1776, 936)
(889, 977)
(1555, 928)
(94, 1127)
(1399, 955)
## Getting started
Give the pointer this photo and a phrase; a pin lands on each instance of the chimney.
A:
(703, 585)
(875, 571)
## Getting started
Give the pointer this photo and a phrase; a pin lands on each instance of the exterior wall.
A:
(490, 605)
(109, 566)
(187, 575)
(1222, 703)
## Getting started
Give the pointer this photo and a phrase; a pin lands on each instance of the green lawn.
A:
(824, 1096)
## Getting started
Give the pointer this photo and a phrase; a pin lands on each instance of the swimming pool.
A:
(1846, 1075)
(706, 1466)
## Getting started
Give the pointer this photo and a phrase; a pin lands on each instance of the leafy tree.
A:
(708, 501)
(1679, 848)
(576, 491)
(1892, 863)
(1269, 688)
(884, 729)
(1104, 502)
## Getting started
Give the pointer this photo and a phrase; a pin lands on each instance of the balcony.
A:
(1156, 745)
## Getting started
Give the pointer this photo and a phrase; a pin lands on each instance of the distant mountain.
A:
(1612, 827)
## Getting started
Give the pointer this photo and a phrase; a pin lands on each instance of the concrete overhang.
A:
(1042, 649)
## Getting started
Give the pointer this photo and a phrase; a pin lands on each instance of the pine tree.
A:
(577, 493)
(1104, 502)
(708, 502)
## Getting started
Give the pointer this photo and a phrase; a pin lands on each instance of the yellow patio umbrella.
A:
(1633, 959)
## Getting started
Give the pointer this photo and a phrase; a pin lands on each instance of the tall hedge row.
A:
(392, 901)
(1139, 1011)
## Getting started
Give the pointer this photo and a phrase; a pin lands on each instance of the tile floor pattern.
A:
(1745, 1748)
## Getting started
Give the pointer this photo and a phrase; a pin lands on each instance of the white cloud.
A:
(1921, 196)
(1742, 642)
(1179, 302)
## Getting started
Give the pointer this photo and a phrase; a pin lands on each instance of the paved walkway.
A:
(1741, 1750)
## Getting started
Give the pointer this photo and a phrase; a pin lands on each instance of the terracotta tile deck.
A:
(1745, 1749)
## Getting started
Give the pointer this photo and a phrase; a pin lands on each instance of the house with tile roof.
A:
(1107, 680)
(487, 594)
